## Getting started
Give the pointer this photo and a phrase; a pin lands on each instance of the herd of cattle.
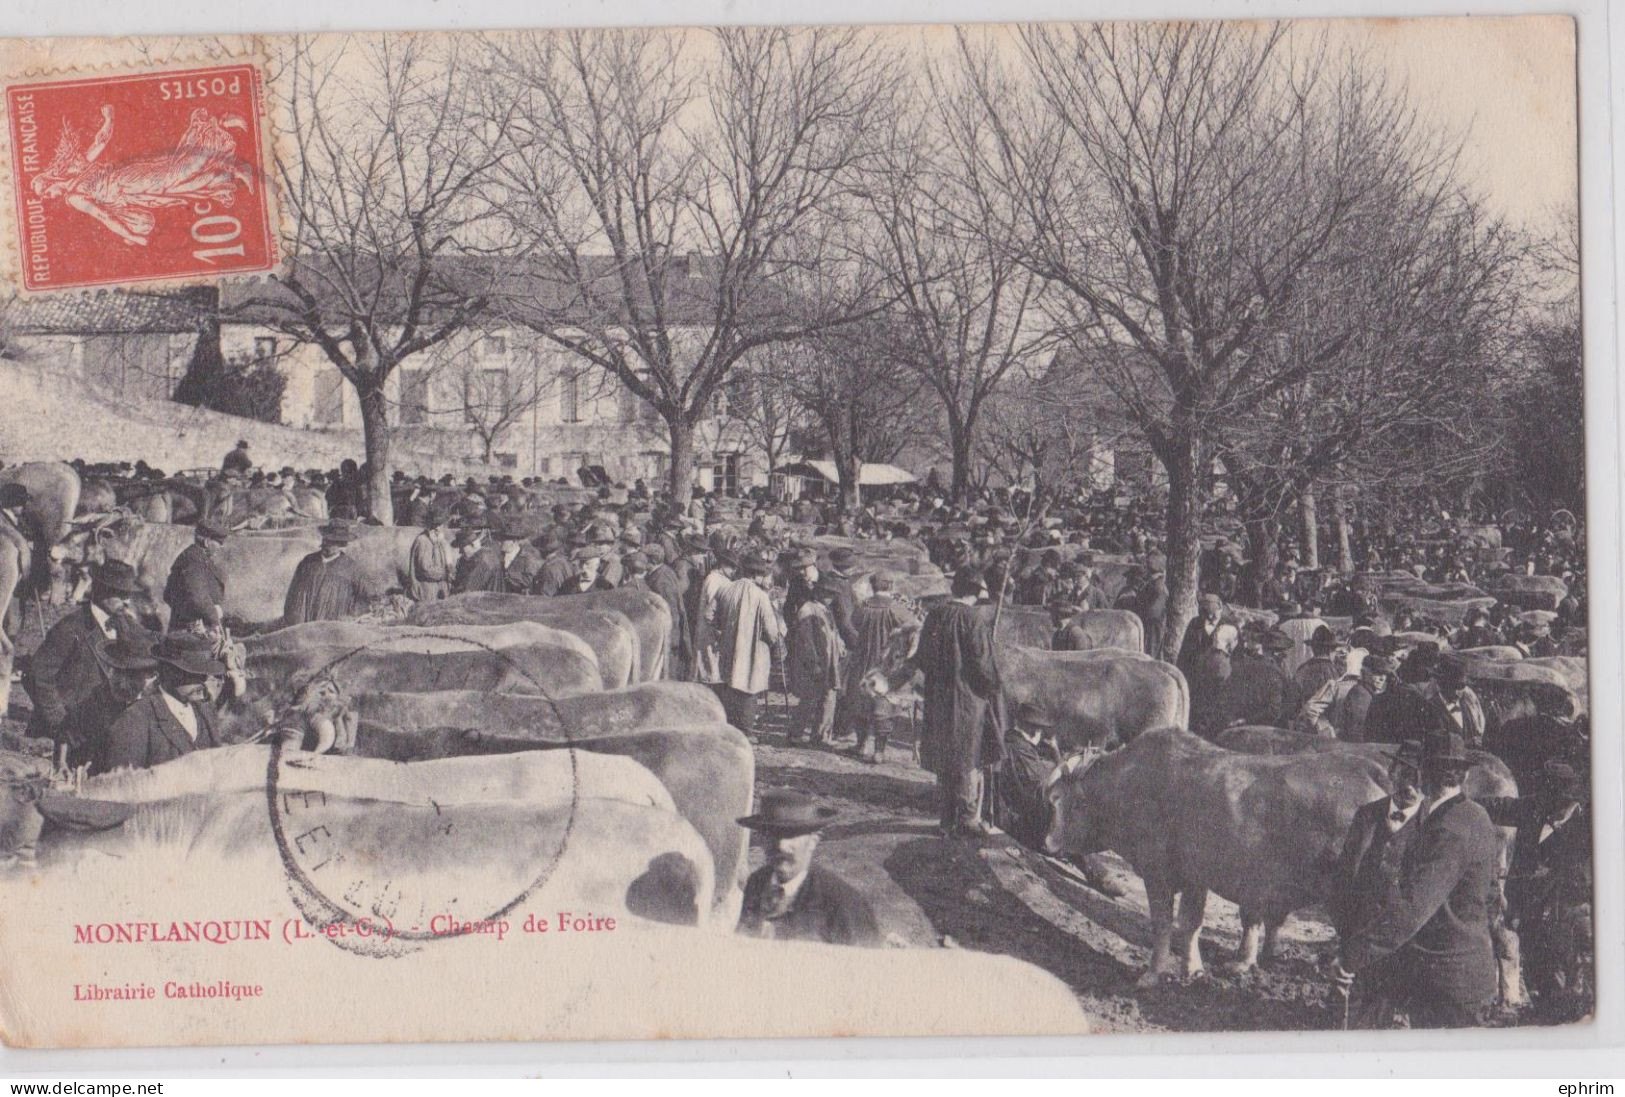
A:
(522, 705)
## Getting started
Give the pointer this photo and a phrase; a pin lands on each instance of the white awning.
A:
(869, 476)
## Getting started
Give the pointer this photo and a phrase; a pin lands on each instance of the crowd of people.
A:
(753, 603)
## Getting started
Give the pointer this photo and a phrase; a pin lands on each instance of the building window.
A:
(570, 398)
(264, 347)
(544, 466)
(507, 460)
(328, 407)
(725, 473)
(494, 346)
(414, 397)
(486, 395)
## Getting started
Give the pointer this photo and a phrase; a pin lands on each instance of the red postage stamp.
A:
(139, 178)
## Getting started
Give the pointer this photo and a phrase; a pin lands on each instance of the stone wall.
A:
(48, 412)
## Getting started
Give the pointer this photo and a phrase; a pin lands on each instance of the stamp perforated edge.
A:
(53, 59)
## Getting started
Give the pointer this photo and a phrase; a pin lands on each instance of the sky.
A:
(1506, 83)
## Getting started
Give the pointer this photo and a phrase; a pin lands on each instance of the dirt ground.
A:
(997, 896)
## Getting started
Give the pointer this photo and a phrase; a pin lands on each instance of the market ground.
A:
(996, 896)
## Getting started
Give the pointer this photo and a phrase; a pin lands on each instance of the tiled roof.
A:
(109, 311)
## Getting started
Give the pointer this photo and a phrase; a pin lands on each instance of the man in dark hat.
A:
(1455, 704)
(1477, 632)
(1200, 632)
(1019, 805)
(1550, 876)
(876, 622)
(634, 572)
(588, 561)
(1257, 689)
(196, 588)
(1373, 854)
(802, 574)
(237, 460)
(689, 566)
(814, 666)
(749, 633)
(328, 584)
(842, 564)
(1435, 921)
(1150, 604)
(556, 571)
(664, 581)
(65, 670)
(1376, 678)
(791, 899)
(173, 717)
(1323, 667)
(1404, 710)
(432, 562)
(702, 612)
(1038, 587)
(499, 567)
(962, 734)
(128, 670)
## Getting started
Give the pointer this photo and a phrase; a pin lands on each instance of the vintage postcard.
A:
(985, 530)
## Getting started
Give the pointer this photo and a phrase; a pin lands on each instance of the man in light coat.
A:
(748, 631)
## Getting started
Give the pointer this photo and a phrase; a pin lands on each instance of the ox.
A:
(1094, 697)
(53, 496)
(1029, 626)
(649, 614)
(519, 658)
(258, 566)
(457, 835)
(1190, 817)
(1529, 591)
(608, 632)
(677, 731)
(1489, 776)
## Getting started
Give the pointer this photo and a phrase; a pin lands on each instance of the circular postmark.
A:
(384, 881)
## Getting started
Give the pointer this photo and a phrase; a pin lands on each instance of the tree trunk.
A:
(681, 474)
(1183, 545)
(1309, 516)
(1345, 537)
(959, 441)
(848, 469)
(1263, 543)
(375, 435)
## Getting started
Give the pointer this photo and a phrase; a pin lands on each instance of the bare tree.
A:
(1051, 430)
(1408, 403)
(761, 405)
(864, 402)
(385, 155)
(668, 188)
(969, 308)
(1179, 185)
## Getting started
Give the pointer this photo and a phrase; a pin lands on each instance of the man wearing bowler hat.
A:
(327, 585)
(65, 670)
(173, 716)
(195, 591)
(791, 899)
(1550, 877)
(1434, 922)
(1373, 855)
(128, 669)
